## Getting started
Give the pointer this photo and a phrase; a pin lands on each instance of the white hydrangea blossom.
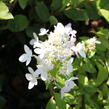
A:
(59, 47)
(69, 84)
(26, 57)
(79, 49)
(31, 77)
(91, 43)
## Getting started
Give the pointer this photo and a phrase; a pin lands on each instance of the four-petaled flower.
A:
(31, 77)
(69, 84)
(26, 57)
(42, 71)
(79, 48)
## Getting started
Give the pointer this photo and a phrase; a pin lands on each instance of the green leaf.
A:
(102, 74)
(51, 104)
(59, 101)
(102, 4)
(105, 14)
(83, 79)
(88, 66)
(91, 10)
(64, 3)
(56, 4)
(19, 23)
(74, 2)
(30, 30)
(4, 12)
(68, 98)
(91, 101)
(76, 14)
(53, 20)
(42, 11)
(23, 3)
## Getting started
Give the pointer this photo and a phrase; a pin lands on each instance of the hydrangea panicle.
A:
(59, 47)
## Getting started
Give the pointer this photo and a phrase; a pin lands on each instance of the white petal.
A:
(71, 60)
(37, 72)
(23, 58)
(28, 61)
(74, 48)
(30, 85)
(82, 53)
(69, 66)
(28, 76)
(74, 31)
(32, 42)
(68, 28)
(44, 76)
(26, 48)
(37, 44)
(30, 70)
(59, 28)
(35, 83)
(69, 69)
(35, 36)
(43, 31)
(62, 93)
(38, 51)
(73, 39)
(80, 46)
(71, 84)
(74, 78)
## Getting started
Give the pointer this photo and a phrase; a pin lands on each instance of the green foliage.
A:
(53, 20)
(76, 14)
(102, 74)
(19, 23)
(42, 11)
(23, 3)
(103, 8)
(51, 104)
(56, 4)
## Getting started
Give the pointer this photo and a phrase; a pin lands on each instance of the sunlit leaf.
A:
(4, 11)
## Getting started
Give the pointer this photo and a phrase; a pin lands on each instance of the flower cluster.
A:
(60, 47)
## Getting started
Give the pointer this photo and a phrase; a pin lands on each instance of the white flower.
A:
(43, 31)
(79, 48)
(69, 84)
(31, 77)
(66, 67)
(59, 28)
(42, 71)
(67, 30)
(26, 57)
(93, 41)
